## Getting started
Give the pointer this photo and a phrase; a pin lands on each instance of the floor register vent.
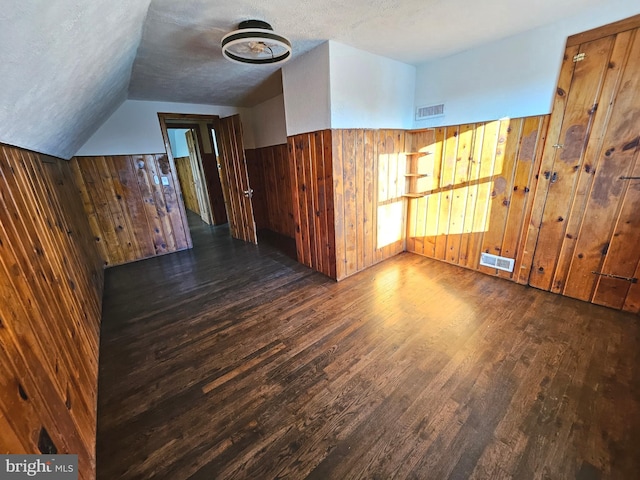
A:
(501, 263)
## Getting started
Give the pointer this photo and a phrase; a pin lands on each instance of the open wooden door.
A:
(233, 167)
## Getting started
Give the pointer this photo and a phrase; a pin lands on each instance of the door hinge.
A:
(248, 193)
(579, 57)
(618, 277)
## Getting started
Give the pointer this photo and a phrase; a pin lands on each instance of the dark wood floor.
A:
(233, 361)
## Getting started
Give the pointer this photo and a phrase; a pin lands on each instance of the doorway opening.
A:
(209, 158)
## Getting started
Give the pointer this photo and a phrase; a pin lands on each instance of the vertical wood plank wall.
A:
(50, 306)
(311, 173)
(131, 216)
(187, 184)
(587, 212)
(368, 176)
(476, 191)
(270, 179)
(347, 198)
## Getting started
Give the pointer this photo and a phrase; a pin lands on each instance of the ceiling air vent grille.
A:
(494, 261)
(430, 111)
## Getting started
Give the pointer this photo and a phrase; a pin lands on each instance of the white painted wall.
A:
(178, 141)
(269, 123)
(369, 91)
(305, 85)
(134, 127)
(513, 77)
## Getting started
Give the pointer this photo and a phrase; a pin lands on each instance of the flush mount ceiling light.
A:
(256, 43)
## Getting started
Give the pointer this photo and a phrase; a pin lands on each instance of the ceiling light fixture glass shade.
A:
(256, 43)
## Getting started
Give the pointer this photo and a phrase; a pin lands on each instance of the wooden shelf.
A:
(417, 175)
(413, 195)
(422, 154)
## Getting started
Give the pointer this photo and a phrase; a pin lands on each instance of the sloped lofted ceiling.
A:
(68, 64)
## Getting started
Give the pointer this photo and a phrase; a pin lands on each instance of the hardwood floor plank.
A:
(232, 360)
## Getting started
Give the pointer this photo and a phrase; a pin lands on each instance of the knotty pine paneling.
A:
(475, 192)
(50, 305)
(311, 173)
(368, 175)
(132, 217)
(586, 224)
(187, 184)
(270, 179)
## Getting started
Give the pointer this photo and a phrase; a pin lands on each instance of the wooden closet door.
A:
(586, 205)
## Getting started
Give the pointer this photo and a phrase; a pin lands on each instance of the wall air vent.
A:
(430, 111)
(494, 261)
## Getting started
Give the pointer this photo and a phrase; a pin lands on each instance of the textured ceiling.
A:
(179, 58)
(65, 68)
(68, 64)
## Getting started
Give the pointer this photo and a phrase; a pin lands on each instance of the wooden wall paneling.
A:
(350, 212)
(283, 199)
(126, 206)
(320, 205)
(400, 201)
(618, 152)
(447, 175)
(520, 206)
(472, 195)
(338, 204)
(420, 147)
(89, 209)
(41, 256)
(490, 137)
(592, 160)
(49, 317)
(548, 155)
(501, 188)
(187, 184)
(108, 234)
(312, 167)
(145, 183)
(623, 253)
(276, 194)
(297, 147)
(434, 199)
(383, 194)
(172, 204)
(312, 177)
(459, 192)
(130, 215)
(359, 166)
(564, 163)
(390, 234)
(112, 195)
(368, 198)
(329, 195)
(160, 203)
